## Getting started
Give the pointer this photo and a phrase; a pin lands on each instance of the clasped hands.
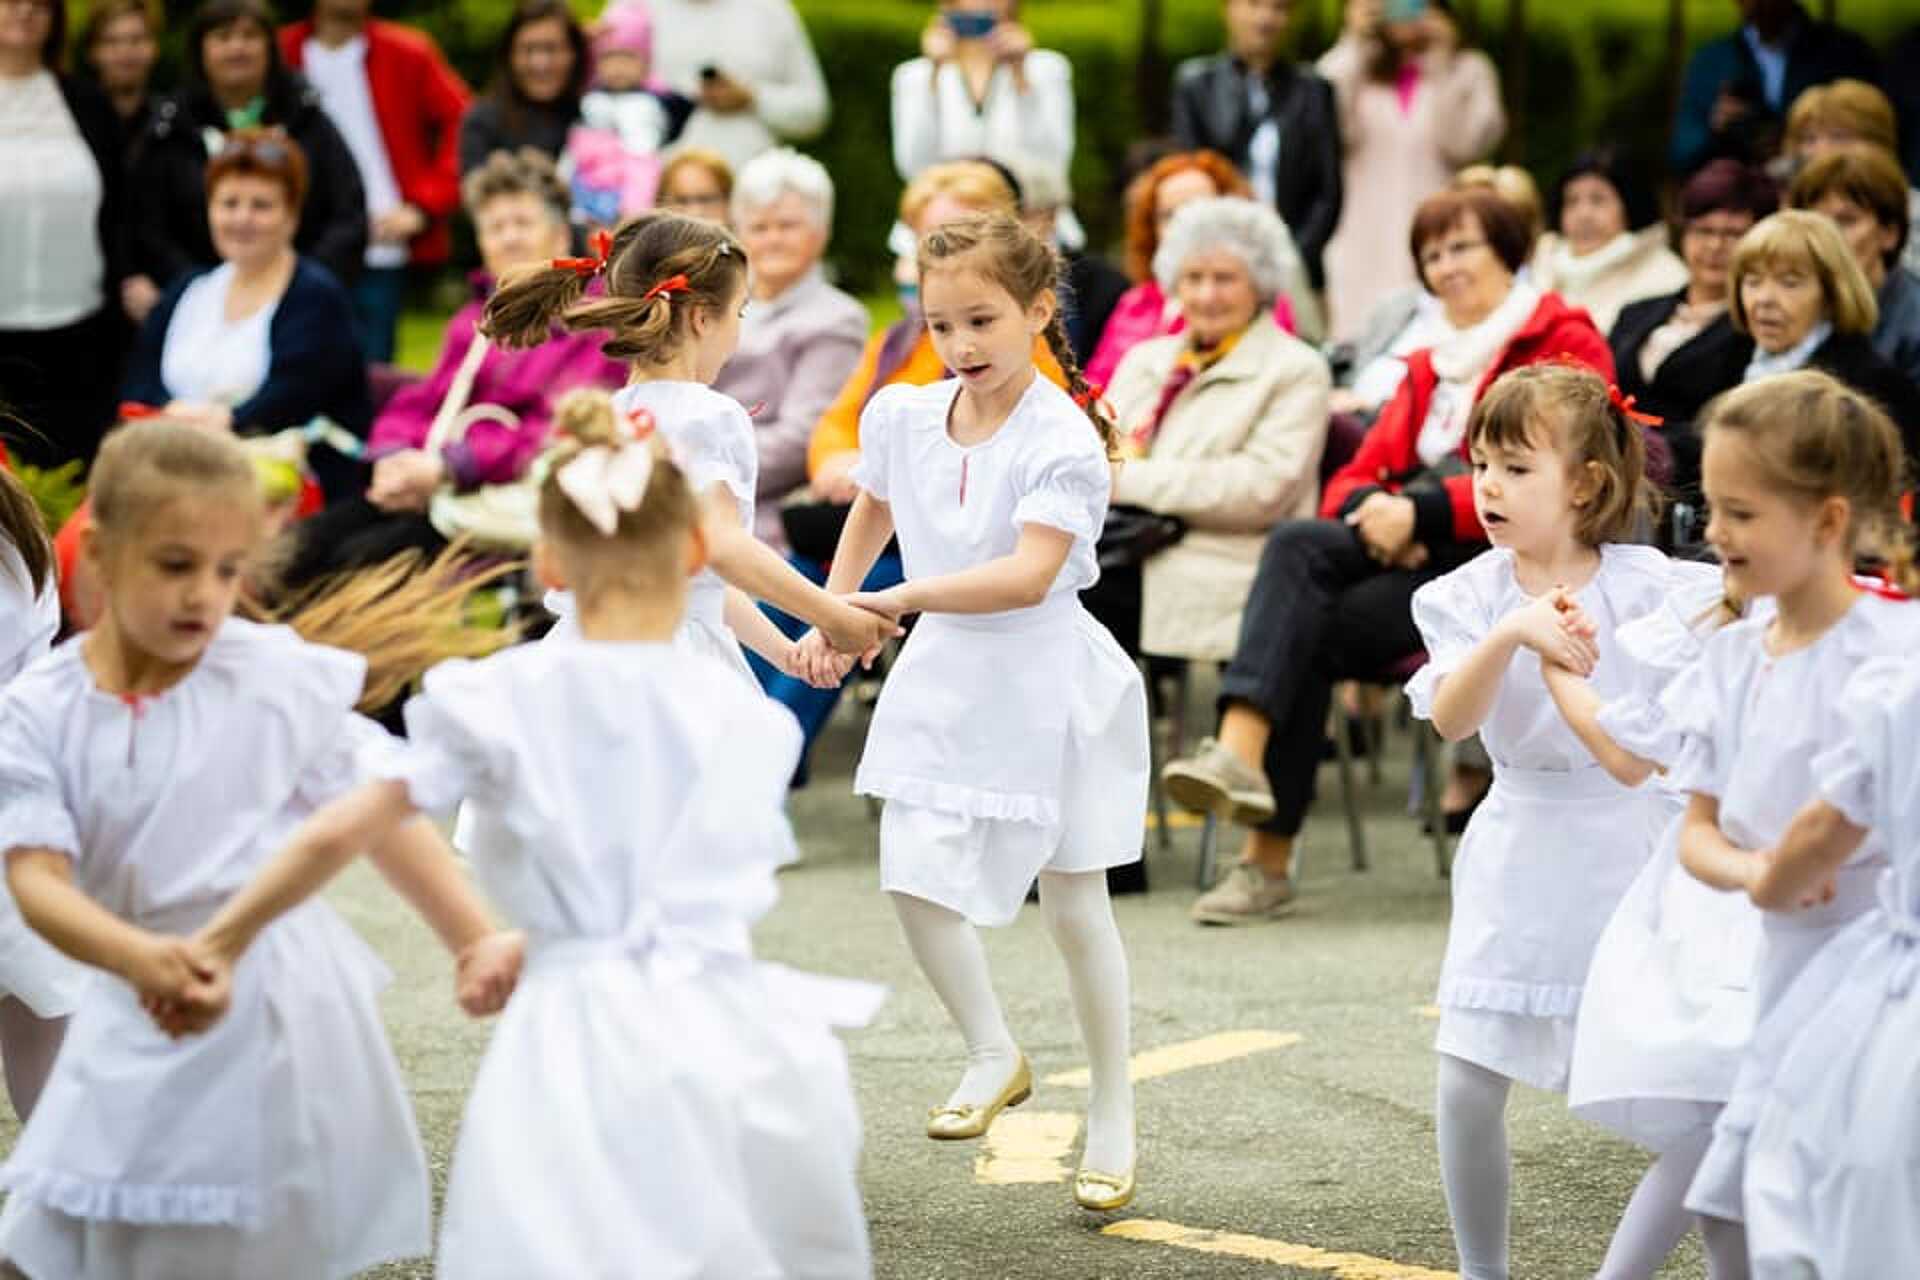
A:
(824, 656)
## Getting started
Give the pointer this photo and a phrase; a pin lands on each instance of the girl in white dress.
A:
(39, 987)
(1010, 740)
(654, 1102)
(1558, 471)
(1802, 475)
(1831, 1180)
(1667, 1006)
(675, 287)
(146, 769)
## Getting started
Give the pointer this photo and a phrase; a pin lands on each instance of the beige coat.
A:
(1238, 452)
(1646, 268)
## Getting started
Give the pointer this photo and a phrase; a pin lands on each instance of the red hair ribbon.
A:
(1093, 395)
(671, 285)
(601, 242)
(1625, 405)
(133, 411)
(641, 423)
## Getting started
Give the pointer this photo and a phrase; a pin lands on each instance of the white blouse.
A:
(52, 271)
(208, 359)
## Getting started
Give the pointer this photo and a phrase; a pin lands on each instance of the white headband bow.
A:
(604, 480)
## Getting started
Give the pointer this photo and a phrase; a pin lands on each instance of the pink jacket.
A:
(525, 382)
(1140, 314)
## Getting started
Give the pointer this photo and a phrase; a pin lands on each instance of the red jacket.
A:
(419, 101)
(1387, 458)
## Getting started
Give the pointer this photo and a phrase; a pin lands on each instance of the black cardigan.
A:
(1712, 361)
(1851, 358)
(100, 130)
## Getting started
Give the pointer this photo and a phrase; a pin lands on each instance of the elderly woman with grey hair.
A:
(1221, 427)
(801, 337)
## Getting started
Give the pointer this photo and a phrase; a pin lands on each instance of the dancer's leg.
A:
(1656, 1219)
(948, 951)
(1079, 915)
(1471, 1120)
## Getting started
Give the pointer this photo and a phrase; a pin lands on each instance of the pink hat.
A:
(626, 27)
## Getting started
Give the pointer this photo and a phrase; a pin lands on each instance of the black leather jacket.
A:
(1210, 110)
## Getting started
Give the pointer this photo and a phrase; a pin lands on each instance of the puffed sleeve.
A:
(33, 806)
(1857, 774)
(353, 756)
(1067, 489)
(1691, 706)
(449, 753)
(876, 444)
(1452, 618)
(717, 448)
(1658, 646)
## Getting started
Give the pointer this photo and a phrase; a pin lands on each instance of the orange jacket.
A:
(838, 430)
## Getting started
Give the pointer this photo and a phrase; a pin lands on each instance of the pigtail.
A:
(524, 306)
(642, 328)
(1084, 393)
(21, 524)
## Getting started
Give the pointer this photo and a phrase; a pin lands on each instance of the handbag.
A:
(501, 518)
(1131, 535)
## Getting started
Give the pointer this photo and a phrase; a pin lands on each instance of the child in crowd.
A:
(675, 289)
(654, 1103)
(1558, 479)
(626, 121)
(39, 987)
(1803, 475)
(1011, 738)
(146, 769)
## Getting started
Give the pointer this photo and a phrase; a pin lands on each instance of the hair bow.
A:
(1093, 396)
(604, 480)
(1625, 405)
(601, 242)
(671, 285)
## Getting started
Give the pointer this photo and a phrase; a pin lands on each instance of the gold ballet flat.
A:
(949, 1124)
(1102, 1192)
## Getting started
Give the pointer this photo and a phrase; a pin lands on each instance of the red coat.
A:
(1387, 458)
(419, 101)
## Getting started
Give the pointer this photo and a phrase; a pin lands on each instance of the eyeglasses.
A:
(707, 201)
(1452, 250)
(274, 150)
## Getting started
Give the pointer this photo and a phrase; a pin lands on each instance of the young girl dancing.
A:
(675, 289)
(1667, 1006)
(1011, 738)
(1802, 475)
(39, 987)
(146, 768)
(654, 1103)
(1558, 475)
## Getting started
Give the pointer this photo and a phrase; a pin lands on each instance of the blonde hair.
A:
(1852, 105)
(403, 615)
(1514, 185)
(1814, 437)
(1863, 175)
(1810, 241)
(646, 549)
(1001, 248)
(970, 182)
(1573, 407)
(661, 266)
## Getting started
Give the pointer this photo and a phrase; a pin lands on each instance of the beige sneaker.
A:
(1245, 895)
(1216, 781)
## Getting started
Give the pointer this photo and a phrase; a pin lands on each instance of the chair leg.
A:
(1376, 730)
(1431, 749)
(1209, 849)
(1349, 797)
(1157, 752)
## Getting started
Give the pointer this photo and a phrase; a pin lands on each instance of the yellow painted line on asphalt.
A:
(1431, 1012)
(1207, 1051)
(1026, 1146)
(1178, 820)
(1341, 1266)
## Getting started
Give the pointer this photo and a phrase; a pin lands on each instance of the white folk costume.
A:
(46, 981)
(1832, 1182)
(1004, 744)
(653, 1102)
(1752, 726)
(1669, 1002)
(281, 1142)
(711, 439)
(1550, 852)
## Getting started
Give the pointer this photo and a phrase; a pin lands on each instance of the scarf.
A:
(1461, 359)
(1573, 276)
(1763, 365)
(1188, 365)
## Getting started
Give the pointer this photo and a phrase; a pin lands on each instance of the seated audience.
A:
(1609, 246)
(1862, 189)
(1845, 112)
(800, 336)
(697, 182)
(540, 71)
(626, 121)
(1090, 286)
(1220, 427)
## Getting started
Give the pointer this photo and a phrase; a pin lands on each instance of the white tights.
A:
(1726, 1244)
(1470, 1118)
(1656, 1218)
(28, 1045)
(1079, 917)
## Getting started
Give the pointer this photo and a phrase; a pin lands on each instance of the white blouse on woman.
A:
(52, 272)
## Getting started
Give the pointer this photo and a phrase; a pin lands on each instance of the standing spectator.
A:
(398, 104)
(235, 80)
(540, 72)
(1738, 87)
(121, 43)
(61, 336)
(1275, 120)
(699, 183)
(1145, 310)
(1863, 190)
(1090, 286)
(1609, 246)
(747, 66)
(980, 88)
(800, 337)
(1835, 115)
(1414, 106)
(626, 121)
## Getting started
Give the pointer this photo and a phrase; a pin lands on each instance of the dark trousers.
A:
(1321, 611)
(60, 388)
(1115, 602)
(354, 534)
(378, 296)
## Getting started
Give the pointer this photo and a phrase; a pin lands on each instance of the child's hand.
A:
(184, 987)
(487, 970)
(1544, 627)
(816, 662)
(862, 630)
